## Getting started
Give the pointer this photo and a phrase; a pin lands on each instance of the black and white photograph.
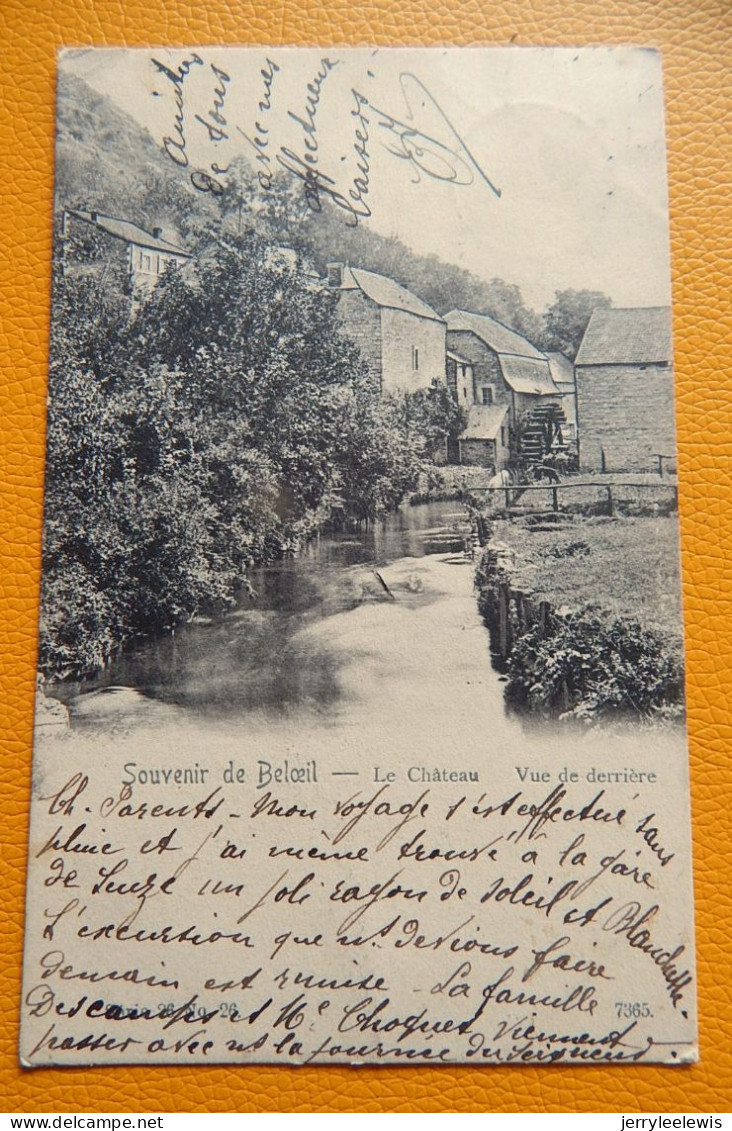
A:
(360, 732)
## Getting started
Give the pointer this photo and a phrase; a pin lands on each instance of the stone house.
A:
(624, 376)
(90, 240)
(400, 337)
(509, 373)
(485, 440)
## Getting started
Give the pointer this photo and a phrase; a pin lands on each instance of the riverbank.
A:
(629, 567)
(585, 615)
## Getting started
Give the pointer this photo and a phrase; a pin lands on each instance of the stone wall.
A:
(486, 367)
(361, 322)
(401, 334)
(478, 453)
(628, 413)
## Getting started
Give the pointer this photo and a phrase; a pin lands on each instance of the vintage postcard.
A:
(360, 718)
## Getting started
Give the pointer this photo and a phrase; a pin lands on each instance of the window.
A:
(415, 358)
(487, 394)
(146, 261)
(503, 436)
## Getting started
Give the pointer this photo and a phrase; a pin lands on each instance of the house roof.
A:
(562, 369)
(385, 292)
(639, 335)
(484, 421)
(129, 232)
(499, 337)
(528, 375)
(458, 357)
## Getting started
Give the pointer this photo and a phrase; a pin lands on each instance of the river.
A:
(272, 654)
(364, 646)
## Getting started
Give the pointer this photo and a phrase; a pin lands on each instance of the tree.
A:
(565, 321)
(206, 431)
(378, 459)
(433, 416)
(260, 354)
(82, 546)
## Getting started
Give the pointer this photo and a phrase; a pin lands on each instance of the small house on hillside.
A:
(507, 372)
(624, 375)
(91, 239)
(400, 337)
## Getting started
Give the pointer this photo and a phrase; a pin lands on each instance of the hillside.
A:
(106, 161)
(445, 286)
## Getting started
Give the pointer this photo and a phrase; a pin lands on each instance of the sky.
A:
(542, 166)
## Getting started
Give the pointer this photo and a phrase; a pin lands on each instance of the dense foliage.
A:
(211, 429)
(586, 664)
(592, 666)
(565, 321)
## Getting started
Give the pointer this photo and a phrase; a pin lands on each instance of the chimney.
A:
(157, 233)
(93, 215)
(335, 275)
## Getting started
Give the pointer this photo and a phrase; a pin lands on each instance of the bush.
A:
(589, 666)
(586, 664)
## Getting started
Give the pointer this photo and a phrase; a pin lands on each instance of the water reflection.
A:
(259, 658)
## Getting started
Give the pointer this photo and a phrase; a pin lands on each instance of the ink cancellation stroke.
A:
(359, 731)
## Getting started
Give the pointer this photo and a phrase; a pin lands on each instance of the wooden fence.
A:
(515, 490)
(527, 613)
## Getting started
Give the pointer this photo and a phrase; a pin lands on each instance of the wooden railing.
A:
(517, 489)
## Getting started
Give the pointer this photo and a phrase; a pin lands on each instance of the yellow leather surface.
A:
(693, 36)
